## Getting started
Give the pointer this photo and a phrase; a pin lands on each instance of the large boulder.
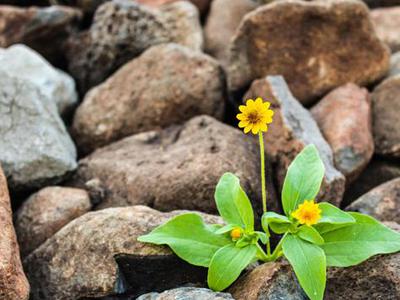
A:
(187, 293)
(35, 147)
(43, 29)
(22, 62)
(299, 40)
(176, 168)
(13, 283)
(292, 129)
(47, 211)
(98, 255)
(387, 23)
(167, 84)
(344, 117)
(122, 30)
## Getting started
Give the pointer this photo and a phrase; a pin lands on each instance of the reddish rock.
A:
(299, 40)
(222, 21)
(344, 118)
(382, 202)
(387, 23)
(292, 129)
(176, 168)
(386, 125)
(13, 283)
(168, 84)
(47, 211)
(43, 29)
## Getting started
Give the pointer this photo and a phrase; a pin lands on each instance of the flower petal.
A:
(241, 117)
(243, 124)
(247, 129)
(242, 108)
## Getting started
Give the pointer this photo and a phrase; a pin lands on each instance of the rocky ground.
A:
(116, 115)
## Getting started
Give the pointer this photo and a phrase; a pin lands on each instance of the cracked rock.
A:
(35, 148)
(292, 129)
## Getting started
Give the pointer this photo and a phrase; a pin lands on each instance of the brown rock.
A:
(344, 118)
(202, 5)
(47, 211)
(269, 281)
(222, 21)
(97, 255)
(386, 125)
(176, 168)
(387, 24)
(43, 29)
(167, 84)
(122, 30)
(299, 40)
(13, 283)
(383, 202)
(292, 129)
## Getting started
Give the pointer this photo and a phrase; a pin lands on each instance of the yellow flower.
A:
(255, 116)
(308, 213)
(236, 233)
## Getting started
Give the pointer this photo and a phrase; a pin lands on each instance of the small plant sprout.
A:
(314, 236)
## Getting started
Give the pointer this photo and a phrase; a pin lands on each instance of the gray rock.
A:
(123, 29)
(168, 84)
(98, 255)
(394, 64)
(292, 129)
(187, 293)
(47, 211)
(35, 147)
(174, 168)
(26, 64)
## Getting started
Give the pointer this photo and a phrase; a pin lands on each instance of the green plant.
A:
(314, 235)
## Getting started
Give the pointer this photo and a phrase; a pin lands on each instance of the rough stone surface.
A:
(383, 202)
(377, 172)
(269, 281)
(122, 30)
(344, 118)
(292, 129)
(386, 125)
(202, 5)
(394, 64)
(97, 255)
(187, 293)
(387, 23)
(47, 211)
(167, 84)
(176, 168)
(35, 147)
(222, 21)
(22, 62)
(43, 29)
(299, 40)
(13, 283)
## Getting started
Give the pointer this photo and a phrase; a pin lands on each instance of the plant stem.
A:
(263, 189)
(278, 249)
(264, 257)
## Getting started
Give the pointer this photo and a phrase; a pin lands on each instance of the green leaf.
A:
(225, 229)
(278, 223)
(189, 238)
(310, 234)
(232, 202)
(352, 244)
(303, 179)
(332, 214)
(227, 264)
(309, 264)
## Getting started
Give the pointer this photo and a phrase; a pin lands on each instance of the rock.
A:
(122, 30)
(35, 148)
(377, 172)
(22, 62)
(382, 202)
(43, 29)
(222, 21)
(292, 129)
(394, 64)
(87, 6)
(13, 283)
(98, 255)
(176, 168)
(387, 23)
(167, 84)
(269, 281)
(385, 108)
(47, 211)
(299, 40)
(187, 293)
(344, 117)
(202, 5)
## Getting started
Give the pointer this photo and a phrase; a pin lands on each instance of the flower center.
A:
(236, 233)
(253, 117)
